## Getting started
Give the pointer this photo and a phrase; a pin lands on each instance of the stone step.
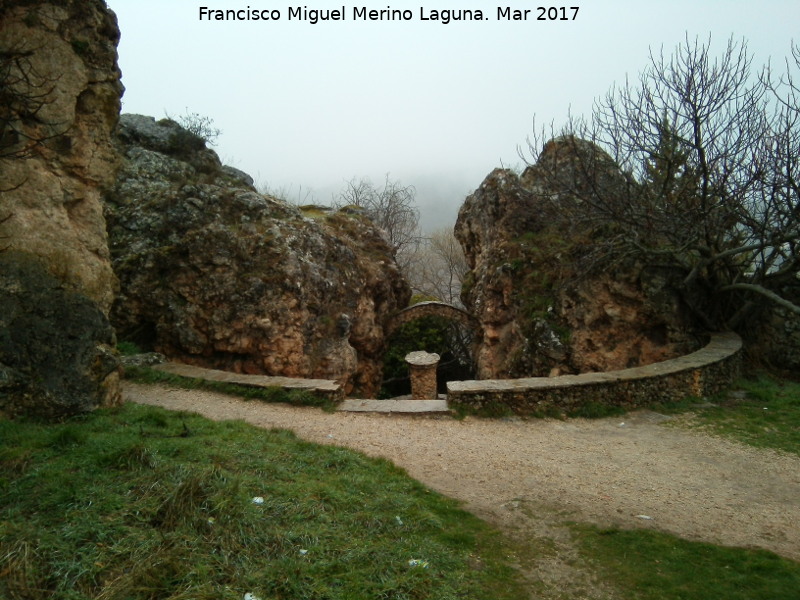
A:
(324, 387)
(394, 406)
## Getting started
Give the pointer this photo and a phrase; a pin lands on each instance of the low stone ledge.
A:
(395, 405)
(701, 373)
(322, 387)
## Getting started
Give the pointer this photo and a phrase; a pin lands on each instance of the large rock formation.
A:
(59, 102)
(545, 308)
(214, 274)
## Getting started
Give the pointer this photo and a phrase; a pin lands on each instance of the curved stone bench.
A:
(704, 372)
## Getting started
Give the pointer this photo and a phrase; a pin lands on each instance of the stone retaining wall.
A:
(702, 373)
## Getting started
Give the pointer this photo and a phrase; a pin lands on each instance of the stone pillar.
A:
(423, 375)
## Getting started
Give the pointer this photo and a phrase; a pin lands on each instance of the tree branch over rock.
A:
(694, 166)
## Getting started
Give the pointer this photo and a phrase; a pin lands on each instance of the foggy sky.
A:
(303, 108)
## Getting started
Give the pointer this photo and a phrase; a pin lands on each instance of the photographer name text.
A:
(313, 16)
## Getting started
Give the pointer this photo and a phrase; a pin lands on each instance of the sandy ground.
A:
(528, 477)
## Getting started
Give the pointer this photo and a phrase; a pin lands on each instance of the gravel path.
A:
(532, 475)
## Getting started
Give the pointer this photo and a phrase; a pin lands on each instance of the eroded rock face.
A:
(60, 102)
(542, 311)
(52, 194)
(56, 346)
(214, 274)
(489, 223)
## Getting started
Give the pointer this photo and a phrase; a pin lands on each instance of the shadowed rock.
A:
(56, 346)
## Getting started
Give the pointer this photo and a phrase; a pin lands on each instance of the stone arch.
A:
(431, 309)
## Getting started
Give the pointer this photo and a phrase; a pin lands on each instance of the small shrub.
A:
(199, 127)
(184, 143)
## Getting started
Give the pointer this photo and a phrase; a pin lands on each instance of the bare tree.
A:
(390, 207)
(437, 267)
(698, 173)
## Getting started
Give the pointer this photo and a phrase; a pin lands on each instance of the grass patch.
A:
(265, 394)
(142, 503)
(648, 565)
(766, 416)
(128, 348)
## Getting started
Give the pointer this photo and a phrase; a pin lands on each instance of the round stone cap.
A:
(421, 358)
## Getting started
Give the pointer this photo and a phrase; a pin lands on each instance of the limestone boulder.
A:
(214, 274)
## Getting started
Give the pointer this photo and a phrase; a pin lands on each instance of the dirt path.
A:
(529, 476)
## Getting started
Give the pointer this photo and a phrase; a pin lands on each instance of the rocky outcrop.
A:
(489, 223)
(59, 102)
(57, 149)
(57, 355)
(214, 274)
(544, 306)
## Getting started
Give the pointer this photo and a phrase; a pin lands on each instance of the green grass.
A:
(768, 416)
(648, 565)
(128, 348)
(265, 394)
(142, 503)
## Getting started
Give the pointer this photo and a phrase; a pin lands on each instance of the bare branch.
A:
(391, 208)
(757, 289)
